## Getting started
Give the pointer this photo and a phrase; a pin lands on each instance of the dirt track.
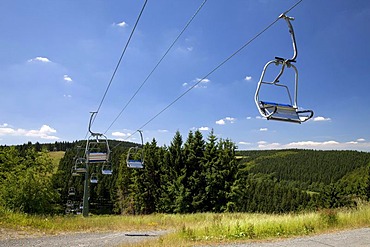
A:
(79, 239)
(353, 238)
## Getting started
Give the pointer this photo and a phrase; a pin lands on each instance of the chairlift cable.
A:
(212, 71)
(120, 59)
(158, 63)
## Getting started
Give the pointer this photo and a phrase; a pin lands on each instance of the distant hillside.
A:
(291, 180)
(308, 169)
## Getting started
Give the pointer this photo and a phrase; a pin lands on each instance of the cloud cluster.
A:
(199, 83)
(226, 120)
(321, 119)
(45, 132)
(39, 59)
(248, 78)
(203, 128)
(67, 78)
(120, 24)
(359, 144)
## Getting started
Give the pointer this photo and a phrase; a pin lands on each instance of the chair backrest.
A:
(97, 157)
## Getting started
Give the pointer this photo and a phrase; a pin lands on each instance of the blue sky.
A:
(57, 58)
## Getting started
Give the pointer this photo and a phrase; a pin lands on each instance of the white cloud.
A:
(249, 118)
(263, 129)
(265, 145)
(230, 119)
(203, 128)
(323, 145)
(120, 24)
(244, 143)
(360, 140)
(321, 119)
(44, 132)
(248, 78)
(225, 120)
(119, 134)
(67, 78)
(198, 83)
(4, 125)
(220, 122)
(67, 96)
(39, 59)
(163, 131)
(311, 144)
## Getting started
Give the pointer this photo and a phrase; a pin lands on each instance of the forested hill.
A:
(193, 175)
(308, 169)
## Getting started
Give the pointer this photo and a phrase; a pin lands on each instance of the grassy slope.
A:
(56, 156)
(200, 228)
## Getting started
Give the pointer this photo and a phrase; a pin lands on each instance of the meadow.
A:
(199, 228)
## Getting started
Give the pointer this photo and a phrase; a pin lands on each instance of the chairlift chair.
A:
(97, 146)
(106, 169)
(71, 191)
(94, 178)
(80, 166)
(134, 152)
(69, 203)
(74, 172)
(288, 112)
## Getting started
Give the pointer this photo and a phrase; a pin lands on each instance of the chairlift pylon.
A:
(135, 155)
(286, 111)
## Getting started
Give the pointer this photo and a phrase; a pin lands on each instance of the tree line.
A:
(193, 175)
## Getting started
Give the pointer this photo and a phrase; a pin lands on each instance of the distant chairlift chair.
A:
(288, 112)
(80, 166)
(135, 152)
(107, 169)
(94, 178)
(71, 191)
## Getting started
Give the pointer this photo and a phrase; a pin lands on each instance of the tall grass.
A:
(203, 228)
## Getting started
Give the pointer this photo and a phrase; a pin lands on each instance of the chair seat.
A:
(134, 164)
(280, 112)
(97, 157)
(106, 172)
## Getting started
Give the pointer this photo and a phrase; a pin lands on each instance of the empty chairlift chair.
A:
(94, 178)
(97, 149)
(135, 155)
(71, 191)
(107, 169)
(97, 146)
(80, 166)
(288, 110)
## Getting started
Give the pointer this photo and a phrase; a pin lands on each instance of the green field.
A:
(56, 156)
(200, 228)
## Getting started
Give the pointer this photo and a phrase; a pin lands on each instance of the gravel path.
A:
(82, 239)
(353, 238)
(350, 238)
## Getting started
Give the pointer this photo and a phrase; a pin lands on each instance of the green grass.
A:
(56, 156)
(198, 229)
